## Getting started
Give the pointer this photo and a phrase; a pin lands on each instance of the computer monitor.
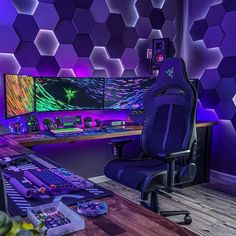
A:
(126, 92)
(19, 95)
(67, 94)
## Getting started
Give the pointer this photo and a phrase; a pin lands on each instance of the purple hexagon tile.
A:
(225, 109)
(234, 99)
(233, 121)
(84, 3)
(115, 47)
(48, 66)
(215, 15)
(198, 29)
(8, 39)
(127, 10)
(225, 68)
(144, 9)
(129, 73)
(46, 16)
(130, 37)
(46, 42)
(130, 59)
(226, 88)
(66, 56)
(210, 79)
(117, 21)
(99, 10)
(100, 59)
(28, 71)
(27, 54)
(81, 16)
(143, 27)
(8, 63)
(229, 5)
(99, 73)
(209, 98)
(66, 72)
(169, 29)
(170, 9)
(27, 7)
(83, 45)
(65, 8)
(65, 31)
(26, 27)
(227, 48)
(213, 36)
(157, 18)
(83, 67)
(100, 34)
(8, 16)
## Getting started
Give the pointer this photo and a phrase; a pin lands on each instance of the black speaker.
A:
(160, 51)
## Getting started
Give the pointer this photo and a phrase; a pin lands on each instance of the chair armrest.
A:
(118, 146)
(173, 155)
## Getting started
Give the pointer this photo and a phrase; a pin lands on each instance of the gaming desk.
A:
(30, 140)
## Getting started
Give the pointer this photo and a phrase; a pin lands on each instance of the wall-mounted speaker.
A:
(160, 51)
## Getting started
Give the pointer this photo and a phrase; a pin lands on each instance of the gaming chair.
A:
(168, 140)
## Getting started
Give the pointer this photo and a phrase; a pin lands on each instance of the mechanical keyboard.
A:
(53, 183)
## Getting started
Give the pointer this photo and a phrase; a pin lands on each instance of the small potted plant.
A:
(16, 226)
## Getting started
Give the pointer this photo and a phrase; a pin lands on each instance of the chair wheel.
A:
(187, 220)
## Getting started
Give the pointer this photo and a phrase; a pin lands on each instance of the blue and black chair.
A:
(168, 140)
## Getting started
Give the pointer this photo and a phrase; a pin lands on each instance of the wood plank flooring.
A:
(212, 205)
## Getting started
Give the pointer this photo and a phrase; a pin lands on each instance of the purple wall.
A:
(211, 54)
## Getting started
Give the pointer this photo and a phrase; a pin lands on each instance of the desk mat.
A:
(17, 204)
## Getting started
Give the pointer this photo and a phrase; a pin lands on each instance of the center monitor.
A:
(67, 94)
(126, 92)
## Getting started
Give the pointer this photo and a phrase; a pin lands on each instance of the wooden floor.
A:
(212, 206)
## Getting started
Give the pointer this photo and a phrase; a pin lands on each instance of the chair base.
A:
(154, 206)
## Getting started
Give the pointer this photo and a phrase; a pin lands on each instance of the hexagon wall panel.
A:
(100, 34)
(22, 54)
(41, 16)
(27, 7)
(26, 27)
(46, 42)
(66, 56)
(83, 21)
(8, 39)
(213, 36)
(65, 31)
(198, 29)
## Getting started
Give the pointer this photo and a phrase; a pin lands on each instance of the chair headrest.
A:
(173, 71)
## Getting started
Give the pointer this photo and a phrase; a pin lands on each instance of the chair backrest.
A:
(170, 107)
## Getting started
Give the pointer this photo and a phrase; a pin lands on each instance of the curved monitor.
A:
(126, 92)
(19, 95)
(67, 94)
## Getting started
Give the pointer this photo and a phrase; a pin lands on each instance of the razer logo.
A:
(170, 72)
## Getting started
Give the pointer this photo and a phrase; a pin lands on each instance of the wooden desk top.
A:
(30, 140)
(127, 218)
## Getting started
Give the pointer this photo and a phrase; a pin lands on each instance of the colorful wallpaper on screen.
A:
(58, 94)
(126, 93)
(19, 95)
